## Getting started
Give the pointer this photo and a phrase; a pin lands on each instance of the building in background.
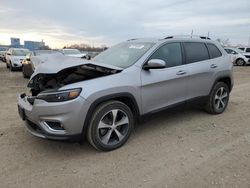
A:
(33, 45)
(15, 42)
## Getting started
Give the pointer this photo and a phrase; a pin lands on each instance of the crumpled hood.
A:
(54, 63)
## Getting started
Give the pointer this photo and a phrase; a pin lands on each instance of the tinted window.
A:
(248, 50)
(195, 52)
(170, 53)
(214, 51)
(241, 49)
(229, 51)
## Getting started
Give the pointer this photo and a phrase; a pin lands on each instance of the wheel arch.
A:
(226, 79)
(124, 97)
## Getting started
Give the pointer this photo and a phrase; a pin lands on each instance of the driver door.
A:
(166, 86)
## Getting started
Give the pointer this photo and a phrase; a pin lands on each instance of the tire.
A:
(240, 62)
(11, 68)
(218, 99)
(24, 74)
(7, 66)
(104, 132)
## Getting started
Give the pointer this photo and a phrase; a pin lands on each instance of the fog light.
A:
(54, 125)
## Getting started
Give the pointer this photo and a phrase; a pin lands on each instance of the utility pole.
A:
(192, 33)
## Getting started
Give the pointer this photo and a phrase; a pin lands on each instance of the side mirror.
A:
(8, 53)
(155, 64)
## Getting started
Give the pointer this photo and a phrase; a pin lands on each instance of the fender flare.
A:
(102, 99)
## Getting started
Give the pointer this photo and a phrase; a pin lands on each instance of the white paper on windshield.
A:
(136, 46)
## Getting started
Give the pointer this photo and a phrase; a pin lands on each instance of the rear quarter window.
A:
(214, 51)
(248, 50)
(195, 52)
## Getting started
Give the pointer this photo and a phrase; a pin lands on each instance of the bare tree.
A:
(87, 47)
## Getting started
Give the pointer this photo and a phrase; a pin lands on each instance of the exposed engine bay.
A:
(42, 81)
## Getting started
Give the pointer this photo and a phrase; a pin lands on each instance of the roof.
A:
(169, 38)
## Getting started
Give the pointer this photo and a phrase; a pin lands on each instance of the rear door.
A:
(166, 86)
(201, 66)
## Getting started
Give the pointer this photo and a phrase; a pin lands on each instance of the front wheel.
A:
(218, 98)
(240, 62)
(11, 67)
(110, 126)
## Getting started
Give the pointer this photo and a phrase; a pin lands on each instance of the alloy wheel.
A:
(113, 127)
(220, 99)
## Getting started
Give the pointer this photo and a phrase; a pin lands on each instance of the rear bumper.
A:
(69, 116)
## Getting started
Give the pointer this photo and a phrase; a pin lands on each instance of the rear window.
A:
(213, 51)
(195, 52)
(248, 50)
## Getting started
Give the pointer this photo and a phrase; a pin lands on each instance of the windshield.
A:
(20, 52)
(124, 54)
(71, 51)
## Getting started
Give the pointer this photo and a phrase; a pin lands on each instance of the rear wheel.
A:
(218, 99)
(240, 62)
(110, 126)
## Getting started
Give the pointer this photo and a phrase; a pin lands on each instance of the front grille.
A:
(247, 56)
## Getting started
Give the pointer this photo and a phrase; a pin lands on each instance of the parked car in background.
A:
(30, 62)
(237, 56)
(73, 53)
(246, 51)
(104, 97)
(14, 57)
(2, 56)
(91, 55)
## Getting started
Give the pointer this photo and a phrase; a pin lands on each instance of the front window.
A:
(71, 51)
(20, 52)
(124, 54)
(170, 53)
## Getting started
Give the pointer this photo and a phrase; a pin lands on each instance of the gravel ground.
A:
(181, 148)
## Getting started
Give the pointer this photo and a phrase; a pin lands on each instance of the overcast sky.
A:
(62, 22)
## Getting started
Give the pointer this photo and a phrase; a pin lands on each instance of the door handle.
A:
(181, 72)
(213, 66)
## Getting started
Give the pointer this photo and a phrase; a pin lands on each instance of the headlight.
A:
(60, 96)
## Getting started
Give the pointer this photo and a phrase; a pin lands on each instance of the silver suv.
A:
(104, 97)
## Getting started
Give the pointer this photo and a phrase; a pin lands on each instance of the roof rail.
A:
(131, 39)
(187, 36)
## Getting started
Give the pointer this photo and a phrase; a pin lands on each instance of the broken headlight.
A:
(59, 96)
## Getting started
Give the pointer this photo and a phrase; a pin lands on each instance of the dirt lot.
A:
(184, 148)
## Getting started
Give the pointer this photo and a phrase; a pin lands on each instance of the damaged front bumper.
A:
(53, 120)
